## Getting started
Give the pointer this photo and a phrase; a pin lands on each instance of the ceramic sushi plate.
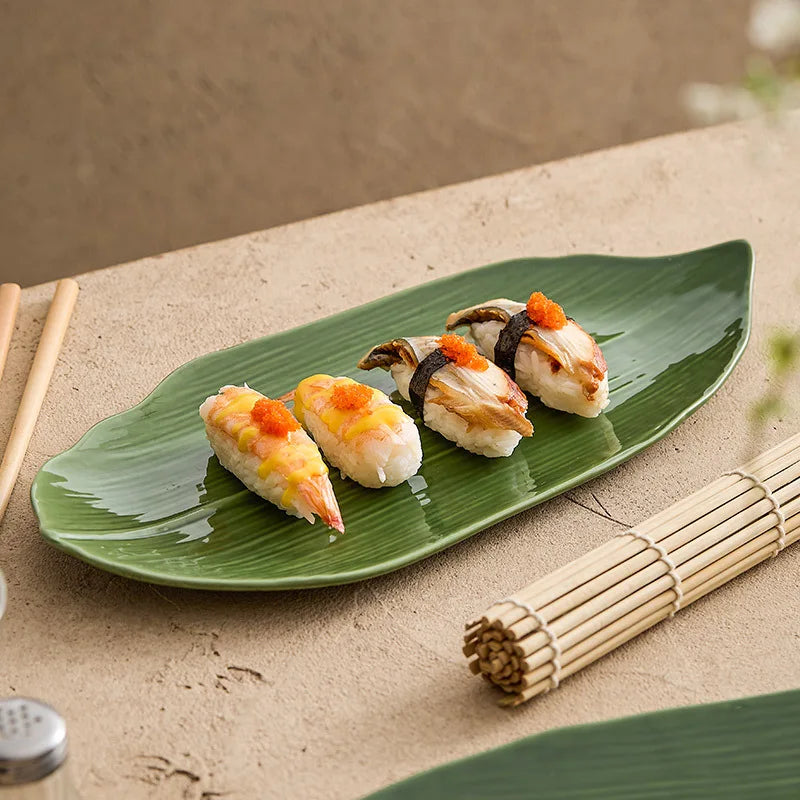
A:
(721, 751)
(142, 495)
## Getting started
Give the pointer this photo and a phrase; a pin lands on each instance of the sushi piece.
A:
(359, 429)
(456, 391)
(546, 352)
(263, 445)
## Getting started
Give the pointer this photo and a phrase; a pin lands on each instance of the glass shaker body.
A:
(56, 786)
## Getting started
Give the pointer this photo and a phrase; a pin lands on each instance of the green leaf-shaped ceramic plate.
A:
(739, 749)
(142, 495)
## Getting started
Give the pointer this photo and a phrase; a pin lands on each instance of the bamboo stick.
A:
(608, 596)
(44, 363)
(9, 304)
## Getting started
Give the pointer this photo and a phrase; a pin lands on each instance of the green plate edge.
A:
(747, 748)
(345, 577)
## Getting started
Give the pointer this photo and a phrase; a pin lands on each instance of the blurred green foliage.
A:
(783, 355)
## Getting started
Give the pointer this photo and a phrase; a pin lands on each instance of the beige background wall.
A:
(130, 129)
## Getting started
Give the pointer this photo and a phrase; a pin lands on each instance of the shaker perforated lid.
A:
(33, 740)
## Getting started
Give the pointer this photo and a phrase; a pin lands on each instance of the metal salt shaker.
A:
(33, 752)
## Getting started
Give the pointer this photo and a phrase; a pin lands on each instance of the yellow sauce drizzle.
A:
(298, 409)
(306, 451)
(305, 391)
(268, 464)
(242, 404)
(383, 415)
(334, 418)
(246, 436)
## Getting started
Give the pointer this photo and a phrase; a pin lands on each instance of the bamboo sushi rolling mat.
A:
(527, 643)
(310, 688)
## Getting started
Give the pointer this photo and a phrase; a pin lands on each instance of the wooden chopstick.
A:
(44, 362)
(9, 303)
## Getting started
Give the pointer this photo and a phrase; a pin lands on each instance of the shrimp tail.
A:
(317, 493)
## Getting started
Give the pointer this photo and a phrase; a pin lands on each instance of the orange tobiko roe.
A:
(350, 396)
(545, 312)
(462, 353)
(273, 418)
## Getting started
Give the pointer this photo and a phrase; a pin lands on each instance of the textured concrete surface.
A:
(135, 128)
(333, 693)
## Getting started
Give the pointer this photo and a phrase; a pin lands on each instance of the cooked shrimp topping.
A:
(545, 312)
(273, 418)
(462, 353)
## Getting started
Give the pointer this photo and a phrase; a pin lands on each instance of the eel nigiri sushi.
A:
(264, 446)
(545, 351)
(359, 429)
(456, 391)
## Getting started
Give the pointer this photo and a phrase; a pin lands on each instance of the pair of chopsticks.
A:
(44, 362)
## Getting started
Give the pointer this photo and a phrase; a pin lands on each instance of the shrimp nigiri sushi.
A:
(359, 429)
(264, 446)
(456, 391)
(545, 351)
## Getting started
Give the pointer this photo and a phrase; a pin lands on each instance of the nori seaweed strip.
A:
(505, 348)
(418, 384)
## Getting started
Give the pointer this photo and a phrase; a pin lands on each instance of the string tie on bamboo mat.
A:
(776, 506)
(664, 557)
(555, 677)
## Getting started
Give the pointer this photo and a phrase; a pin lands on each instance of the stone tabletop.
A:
(333, 693)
